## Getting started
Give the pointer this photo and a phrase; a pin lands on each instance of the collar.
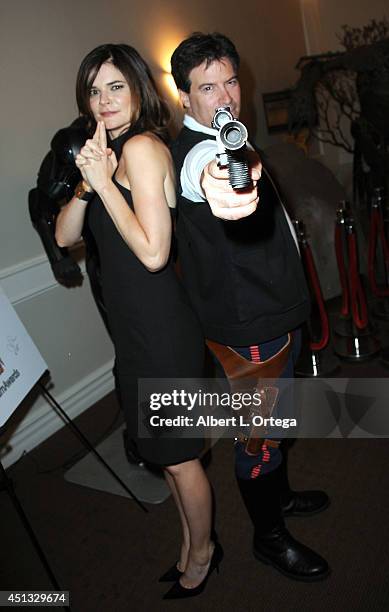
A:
(194, 125)
(117, 143)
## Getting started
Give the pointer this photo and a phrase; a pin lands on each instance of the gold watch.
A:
(83, 191)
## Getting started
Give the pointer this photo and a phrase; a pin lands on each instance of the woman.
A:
(128, 191)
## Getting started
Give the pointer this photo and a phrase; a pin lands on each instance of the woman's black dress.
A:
(155, 332)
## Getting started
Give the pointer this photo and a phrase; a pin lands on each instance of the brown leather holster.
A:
(247, 376)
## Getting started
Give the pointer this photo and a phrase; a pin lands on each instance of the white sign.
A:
(21, 364)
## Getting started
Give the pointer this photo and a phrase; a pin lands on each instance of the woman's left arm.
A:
(147, 231)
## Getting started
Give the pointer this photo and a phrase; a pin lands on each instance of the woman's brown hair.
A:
(150, 113)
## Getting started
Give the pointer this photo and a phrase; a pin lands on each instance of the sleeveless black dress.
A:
(155, 332)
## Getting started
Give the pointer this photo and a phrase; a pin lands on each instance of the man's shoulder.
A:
(185, 141)
(188, 137)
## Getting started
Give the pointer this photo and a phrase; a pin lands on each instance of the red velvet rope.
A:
(377, 228)
(358, 300)
(345, 308)
(311, 269)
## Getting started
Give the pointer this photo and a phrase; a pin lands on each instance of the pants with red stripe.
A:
(247, 466)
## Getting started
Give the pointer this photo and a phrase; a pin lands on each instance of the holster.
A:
(247, 376)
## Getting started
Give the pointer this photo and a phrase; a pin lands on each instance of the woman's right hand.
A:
(96, 150)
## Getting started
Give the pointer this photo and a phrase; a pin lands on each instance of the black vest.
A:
(244, 278)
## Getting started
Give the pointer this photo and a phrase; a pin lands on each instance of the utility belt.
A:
(247, 376)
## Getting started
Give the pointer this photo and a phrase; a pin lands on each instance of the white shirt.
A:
(196, 160)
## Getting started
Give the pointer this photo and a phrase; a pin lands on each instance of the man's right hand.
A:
(224, 201)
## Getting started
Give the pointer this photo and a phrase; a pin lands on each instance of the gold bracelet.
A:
(84, 192)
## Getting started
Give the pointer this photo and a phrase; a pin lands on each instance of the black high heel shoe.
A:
(177, 591)
(172, 575)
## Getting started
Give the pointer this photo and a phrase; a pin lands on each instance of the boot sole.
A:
(315, 578)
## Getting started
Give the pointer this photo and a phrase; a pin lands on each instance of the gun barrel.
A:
(233, 135)
(231, 139)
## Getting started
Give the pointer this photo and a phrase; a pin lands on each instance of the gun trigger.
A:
(222, 159)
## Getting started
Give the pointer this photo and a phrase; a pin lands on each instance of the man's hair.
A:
(199, 48)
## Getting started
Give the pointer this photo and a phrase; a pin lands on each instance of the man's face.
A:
(211, 87)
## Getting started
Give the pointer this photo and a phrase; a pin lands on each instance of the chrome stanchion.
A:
(354, 339)
(316, 359)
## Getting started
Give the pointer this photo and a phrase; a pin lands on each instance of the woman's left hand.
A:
(97, 162)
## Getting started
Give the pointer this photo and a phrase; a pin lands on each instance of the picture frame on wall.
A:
(276, 106)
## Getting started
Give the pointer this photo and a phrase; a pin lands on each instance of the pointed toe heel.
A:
(173, 574)
(177, 591)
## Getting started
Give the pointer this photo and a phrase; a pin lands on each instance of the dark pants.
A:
(248, 466)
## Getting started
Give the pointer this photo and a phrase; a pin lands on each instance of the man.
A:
(241, 268)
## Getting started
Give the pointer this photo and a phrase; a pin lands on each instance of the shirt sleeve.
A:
(194, 163)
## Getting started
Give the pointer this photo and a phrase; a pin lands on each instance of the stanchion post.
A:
(314, 360)
(359, 343)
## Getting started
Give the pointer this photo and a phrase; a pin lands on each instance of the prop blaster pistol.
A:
(231, 141)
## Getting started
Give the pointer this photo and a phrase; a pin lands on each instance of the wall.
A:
(41, 45)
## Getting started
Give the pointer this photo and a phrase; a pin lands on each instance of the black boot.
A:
(273, 544)
(298, 503)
